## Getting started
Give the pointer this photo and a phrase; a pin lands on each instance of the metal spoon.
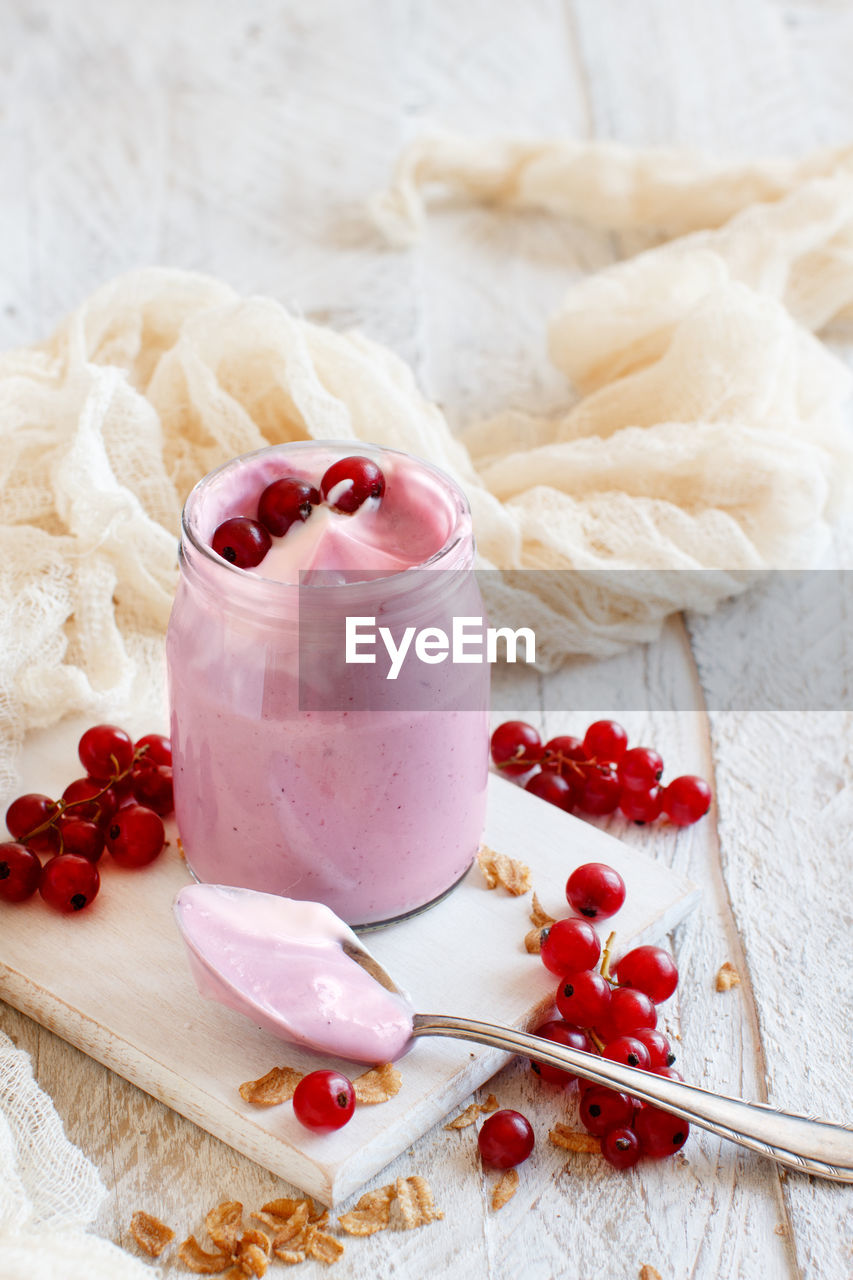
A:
(801, 1142)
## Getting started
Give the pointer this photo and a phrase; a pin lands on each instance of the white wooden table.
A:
(242, 140)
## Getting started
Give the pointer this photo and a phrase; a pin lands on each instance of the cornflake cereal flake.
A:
(224, 1224)
(371, 1214)
(570, 1140)
(278, 1085)
(533, 940)
(498, 869)
(727, 977)
(377, 1085)
(414, 1198)
(242, 1254)
(470, 1114)
(505, 1188)
(538, 915)
(287, 1229)
(150, 1233)
(290, 1256)
(320, 1245)
(200, 1262)
(466, 1117)
(277, 1212)
(252, 1258)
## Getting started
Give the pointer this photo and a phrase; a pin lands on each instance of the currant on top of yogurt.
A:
(345, 486)
(284, 502)
(348, 484)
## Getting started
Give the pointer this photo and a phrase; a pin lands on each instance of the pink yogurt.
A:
(283, 964)
(375, 813)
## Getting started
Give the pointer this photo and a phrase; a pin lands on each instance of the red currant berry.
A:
(69, 882)
(20, 872)
(561, 752)
(629, 1011)
(350, 482)
(629, 1051)
(154, 748)
(241, 541)
(85, 798)
(605, 741)
(621, 1148)
(660, 1133)
(583, 998)
(560, 1033)
(27, 813)
(595, 890)
(553, 788)
(686, 800)
(505, 1139)
(152, 786)
(602, 1109)
(324, 1100)
(284, 502)
(640, 769)
(105, 751)
(660, 1050)
(641, 806)
(516, 747)
(81, 837)
(135, 836)
(569, 945)
(602, 790)
(669, 1072)
(648, 969)
(122, 788)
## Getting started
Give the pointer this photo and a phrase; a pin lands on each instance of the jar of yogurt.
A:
(370, 795)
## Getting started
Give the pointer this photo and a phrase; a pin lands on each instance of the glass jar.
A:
(367, 795)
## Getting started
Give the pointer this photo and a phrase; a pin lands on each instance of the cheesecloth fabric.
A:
(51, 1192)
(710, 434)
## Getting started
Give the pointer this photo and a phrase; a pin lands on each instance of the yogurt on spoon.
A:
(282, 963)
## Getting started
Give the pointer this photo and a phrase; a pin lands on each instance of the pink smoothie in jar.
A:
(375, 810)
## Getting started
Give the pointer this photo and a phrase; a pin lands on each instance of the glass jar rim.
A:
(462, 510)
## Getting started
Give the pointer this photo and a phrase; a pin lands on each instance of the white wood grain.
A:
(242, 140)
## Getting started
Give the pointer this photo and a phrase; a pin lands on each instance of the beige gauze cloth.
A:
(710, 432)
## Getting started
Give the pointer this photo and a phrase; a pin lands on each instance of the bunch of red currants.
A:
(119, 806)
(598, 774)
(612, 1015)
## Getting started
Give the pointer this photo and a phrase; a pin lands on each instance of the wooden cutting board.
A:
(114, 982)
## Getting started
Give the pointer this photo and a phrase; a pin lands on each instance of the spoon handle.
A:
(809, 1145)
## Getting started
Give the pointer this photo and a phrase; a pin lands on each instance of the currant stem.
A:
(62, 806)
(576, 766)
(48, 822)
(506, 764)
(606, 956)
(596, 1040)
